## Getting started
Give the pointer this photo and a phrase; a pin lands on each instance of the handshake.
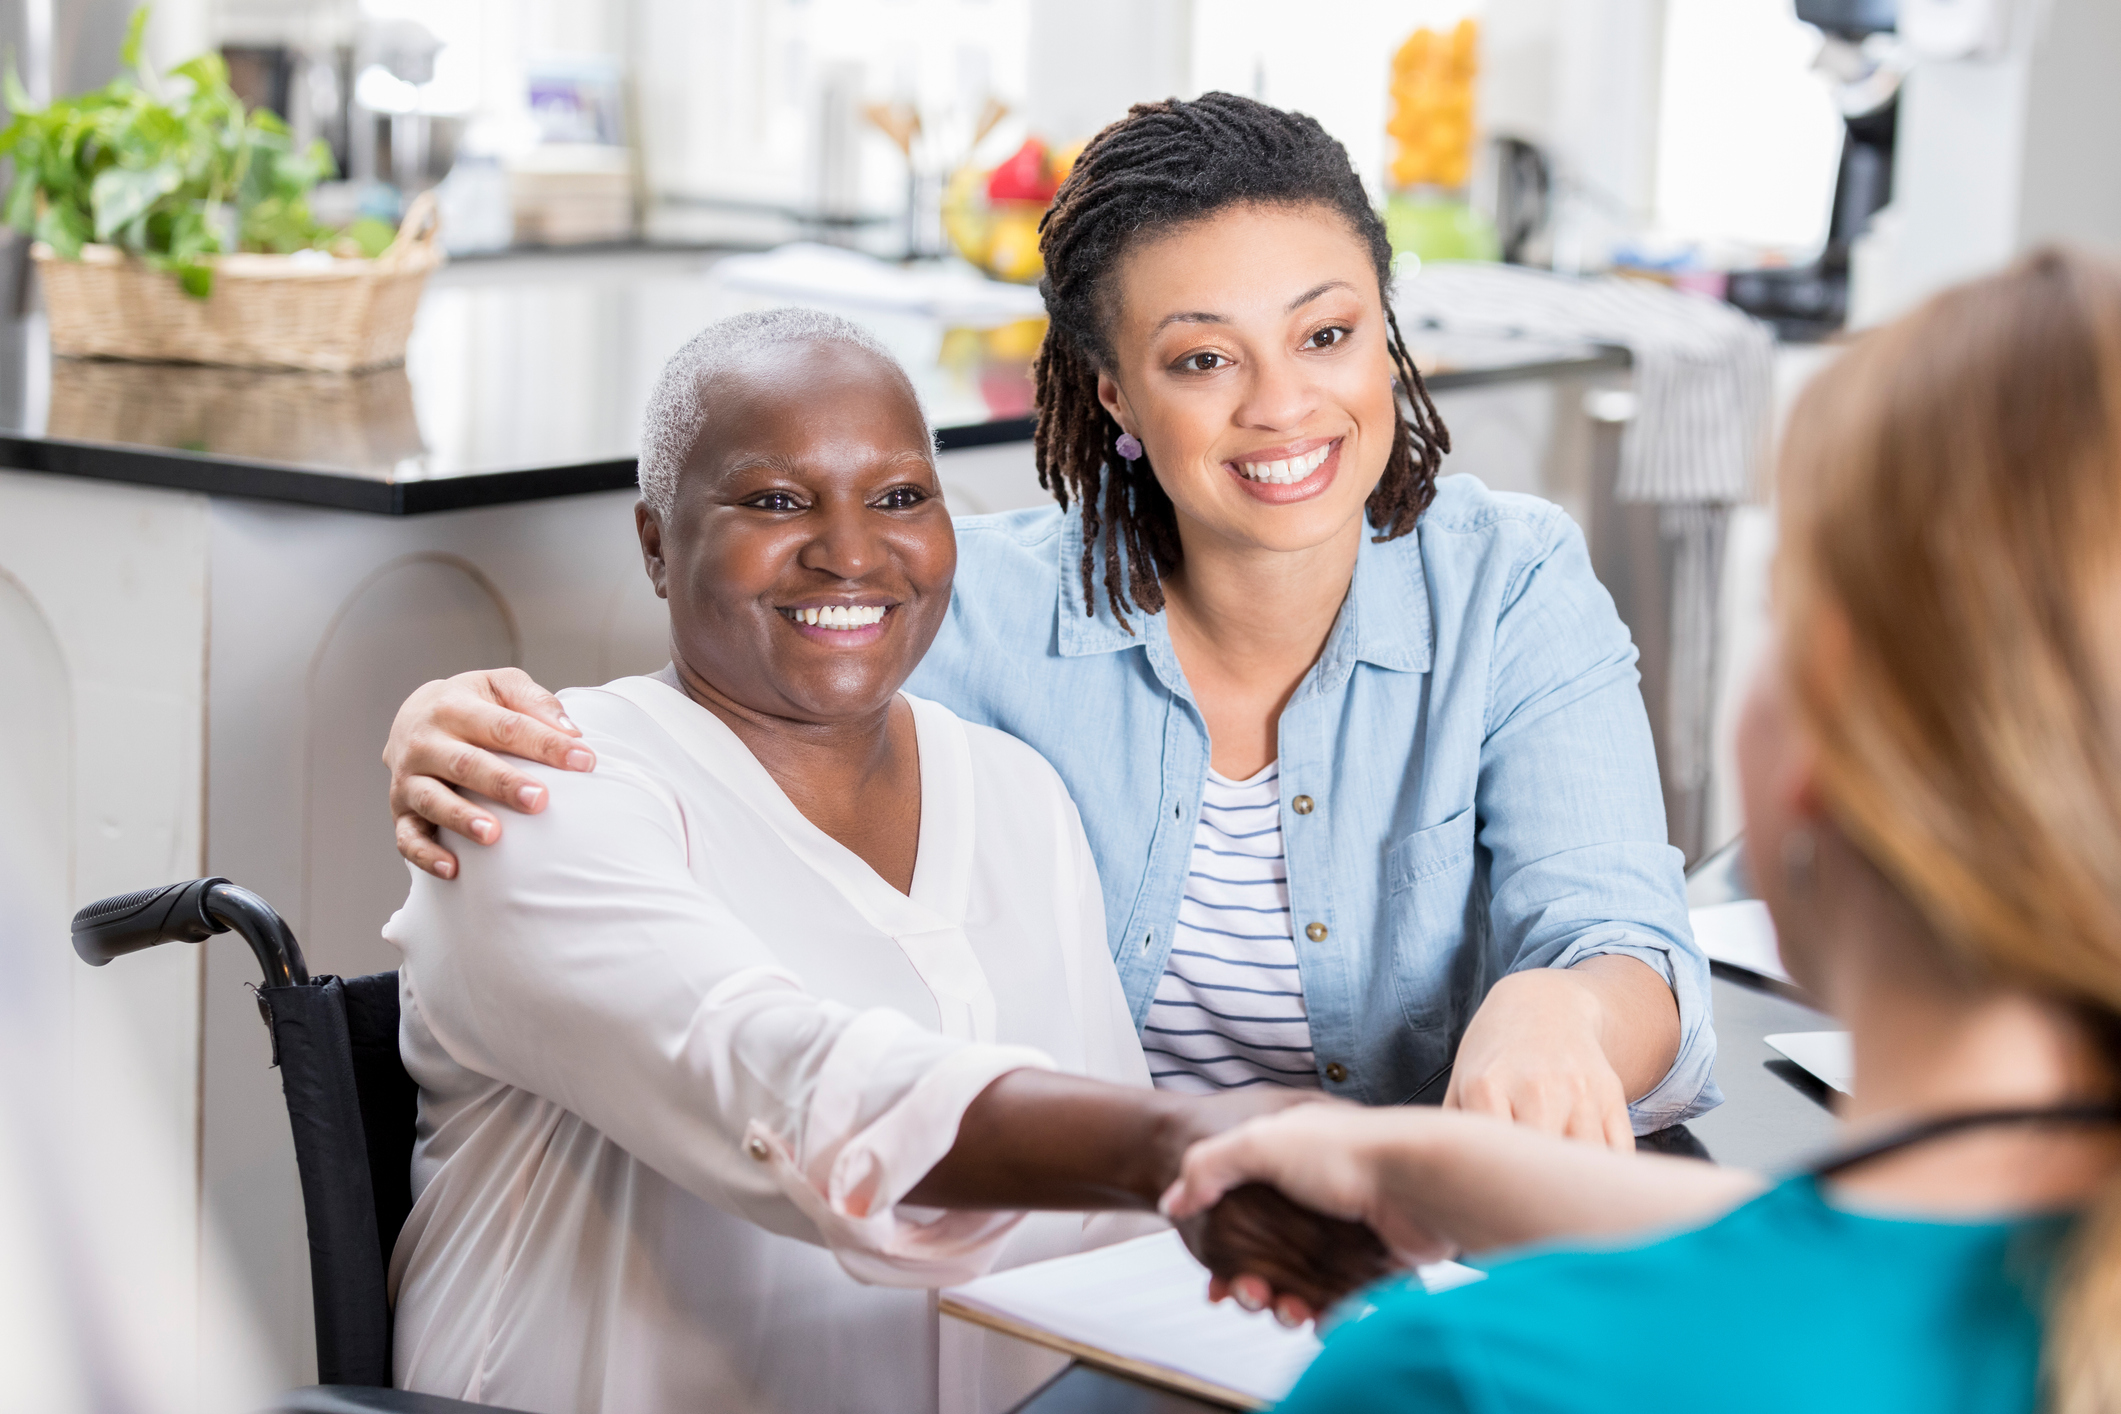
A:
(1277, 1208)
(1266, 1251)
(1292, 1200)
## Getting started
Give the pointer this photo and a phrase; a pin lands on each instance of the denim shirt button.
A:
(1336, 1072)
(1316, 932)
(1302, 805)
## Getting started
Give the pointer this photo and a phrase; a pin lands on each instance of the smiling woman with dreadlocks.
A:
(1360, 752)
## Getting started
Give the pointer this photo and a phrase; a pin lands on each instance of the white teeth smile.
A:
(1287, 473)
(839, 616)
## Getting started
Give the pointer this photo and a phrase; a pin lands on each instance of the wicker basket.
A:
(266, 311)
(357, 422)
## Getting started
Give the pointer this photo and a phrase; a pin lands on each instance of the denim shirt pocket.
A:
(1426, 853)
(1427, 881)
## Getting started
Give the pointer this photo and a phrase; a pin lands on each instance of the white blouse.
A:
(681, 1053)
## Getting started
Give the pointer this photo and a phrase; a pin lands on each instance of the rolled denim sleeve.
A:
(1572, 814)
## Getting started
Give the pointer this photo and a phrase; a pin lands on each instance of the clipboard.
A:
(1141, 1309)
(1141, 1371)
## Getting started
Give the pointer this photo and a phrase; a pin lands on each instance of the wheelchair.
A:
(352, 1109)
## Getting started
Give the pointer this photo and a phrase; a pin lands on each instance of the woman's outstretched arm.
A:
(1037, 1139)
(1435, 1183)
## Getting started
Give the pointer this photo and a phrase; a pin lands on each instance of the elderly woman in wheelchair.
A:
(803, 1003)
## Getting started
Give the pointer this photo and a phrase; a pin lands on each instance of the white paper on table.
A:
(1826, 1054)
(1740, 934)
(1142, 1306)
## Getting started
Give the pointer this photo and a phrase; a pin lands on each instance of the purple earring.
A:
(1128, 446)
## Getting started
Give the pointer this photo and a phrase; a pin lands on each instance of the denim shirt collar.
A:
(1387, 619)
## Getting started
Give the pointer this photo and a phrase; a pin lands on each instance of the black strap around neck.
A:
(1922, 1131)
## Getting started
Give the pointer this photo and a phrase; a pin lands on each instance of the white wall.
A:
(2070, 184)
(1748, 138)
(725, 88)
(1998, 154)
(1089, 60)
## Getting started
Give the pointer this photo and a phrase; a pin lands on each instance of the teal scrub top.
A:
(1786, 1303)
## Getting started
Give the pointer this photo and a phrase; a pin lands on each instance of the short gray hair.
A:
(677, 409)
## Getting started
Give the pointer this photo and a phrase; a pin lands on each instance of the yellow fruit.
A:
(965, 216)
(1431, 118)
(1064, 160)
(1017, 342)
(960, 350)
(1012, 245)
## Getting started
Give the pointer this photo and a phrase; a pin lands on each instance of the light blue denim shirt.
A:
(1483, 790)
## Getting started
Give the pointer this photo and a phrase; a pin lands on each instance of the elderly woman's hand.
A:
(447, 734)
(1267, 1251)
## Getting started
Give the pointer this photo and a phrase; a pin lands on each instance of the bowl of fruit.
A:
(992, 213)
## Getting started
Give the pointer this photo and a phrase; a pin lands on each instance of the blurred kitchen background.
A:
(1811, 162)
(1689, 137)
(1628, 231)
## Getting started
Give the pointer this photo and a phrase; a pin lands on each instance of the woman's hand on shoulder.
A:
(448, 734)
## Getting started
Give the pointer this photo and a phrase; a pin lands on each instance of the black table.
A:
(1773, 1117)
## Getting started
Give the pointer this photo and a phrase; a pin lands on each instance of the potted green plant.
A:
(172, 224)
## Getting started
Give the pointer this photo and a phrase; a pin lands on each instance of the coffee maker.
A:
(1864, 72)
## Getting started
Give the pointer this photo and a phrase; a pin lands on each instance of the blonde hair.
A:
(1951, 601)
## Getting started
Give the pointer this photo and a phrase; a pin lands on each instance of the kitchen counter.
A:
(525, 379)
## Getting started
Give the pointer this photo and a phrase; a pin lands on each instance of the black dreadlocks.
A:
(1163, 165)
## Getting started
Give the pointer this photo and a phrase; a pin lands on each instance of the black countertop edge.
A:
(197, 471)
(506, 488)
(985, 434)
(219, 475)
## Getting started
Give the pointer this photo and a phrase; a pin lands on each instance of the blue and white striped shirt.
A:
(1229, 1009)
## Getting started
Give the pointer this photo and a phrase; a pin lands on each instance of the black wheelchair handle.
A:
(190, 913)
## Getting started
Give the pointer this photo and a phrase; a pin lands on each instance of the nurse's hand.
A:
(1432, 1184)
(448, 733)
(1562, 1050)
